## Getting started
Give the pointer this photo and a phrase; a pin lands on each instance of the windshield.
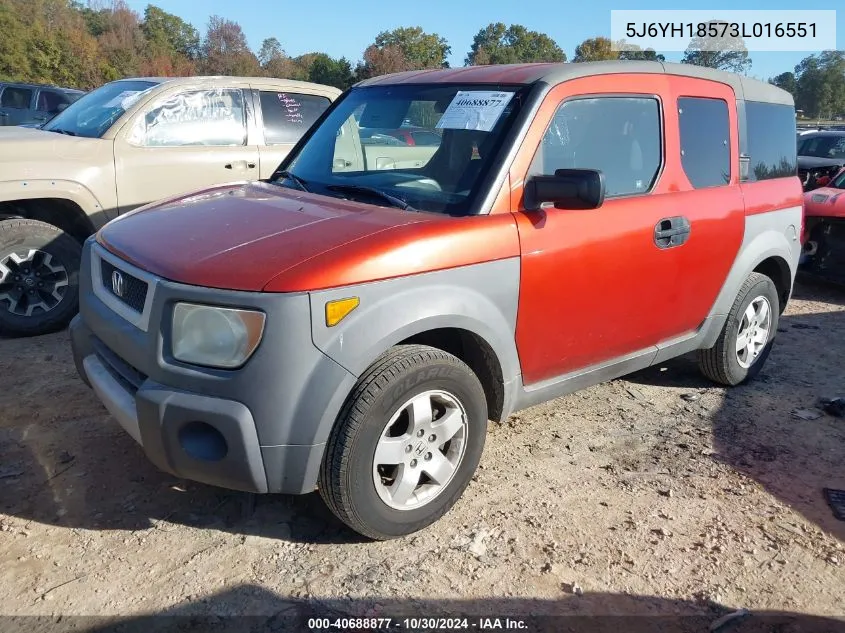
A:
(829, 146)
(839, 181)
(420, 147)
(94, 113)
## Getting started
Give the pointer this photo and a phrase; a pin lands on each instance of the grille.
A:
(134, 290)
(123, 372)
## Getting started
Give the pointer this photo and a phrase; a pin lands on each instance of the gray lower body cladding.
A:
(269, 414)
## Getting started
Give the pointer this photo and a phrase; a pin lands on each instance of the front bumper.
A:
(261, 428)
(206, 439)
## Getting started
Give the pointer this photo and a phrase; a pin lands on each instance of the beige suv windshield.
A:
(95, 113)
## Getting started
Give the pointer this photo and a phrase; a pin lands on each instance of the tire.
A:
(723, 363)
(51, 258)
(349, 473)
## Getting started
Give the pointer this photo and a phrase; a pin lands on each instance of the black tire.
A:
(19, 237)
(346, 479)
(720, 363)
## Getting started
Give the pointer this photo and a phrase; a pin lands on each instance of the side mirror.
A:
(567, 189)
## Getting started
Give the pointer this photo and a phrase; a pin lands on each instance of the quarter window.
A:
(771, 140)
(621, 136)
(288, 115)
(202, 117)
(17, 98)
(705, 141)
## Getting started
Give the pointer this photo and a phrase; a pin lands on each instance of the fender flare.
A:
(70, 190)
(395, 317)
(768, 243)
(393, 311)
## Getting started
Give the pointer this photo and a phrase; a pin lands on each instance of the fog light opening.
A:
(203, 442)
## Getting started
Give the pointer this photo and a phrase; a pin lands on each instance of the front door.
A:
(646, 266)
(182, 142)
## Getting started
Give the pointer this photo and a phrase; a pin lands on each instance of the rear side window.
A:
(771, 140)
(288, 115)
(705, 141)
(17, 98)
(620, 136)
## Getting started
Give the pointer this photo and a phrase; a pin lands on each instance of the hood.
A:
(257, 236)
(242, 235)
(20, 132)
(23, 148)
(825, 202)
(812, 162)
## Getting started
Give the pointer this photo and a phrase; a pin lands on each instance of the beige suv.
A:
(128, 143)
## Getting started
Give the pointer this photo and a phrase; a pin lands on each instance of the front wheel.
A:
(747, 336)
(39, 273)
(406, 444)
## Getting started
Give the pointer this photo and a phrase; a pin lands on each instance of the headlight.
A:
(215, 337)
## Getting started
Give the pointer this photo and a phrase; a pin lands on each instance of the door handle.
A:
(239, 164)
(671, 232)
(4, 114)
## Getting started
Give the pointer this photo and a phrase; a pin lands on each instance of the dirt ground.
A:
(654, 494)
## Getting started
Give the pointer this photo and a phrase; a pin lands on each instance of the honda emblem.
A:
(117, 284)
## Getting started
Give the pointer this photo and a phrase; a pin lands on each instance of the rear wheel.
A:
(406, 443)
(39, 271)
(747, 336)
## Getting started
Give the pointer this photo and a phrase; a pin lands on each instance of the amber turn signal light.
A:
(337, 310)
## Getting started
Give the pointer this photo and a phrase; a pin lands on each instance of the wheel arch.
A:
(470, 341)
(471, 347)
(67, 205)
(776, 268)
(63, 213)
(768, 249)
(470, 313)
(477, 353)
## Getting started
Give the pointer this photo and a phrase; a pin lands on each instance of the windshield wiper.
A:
(372, 191)
(61, 131)
(289, 176)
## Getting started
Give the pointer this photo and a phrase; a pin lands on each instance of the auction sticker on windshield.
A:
(474, 110)
(124, 99)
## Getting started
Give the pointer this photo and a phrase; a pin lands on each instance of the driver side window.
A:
(620, 136)
(201, 117)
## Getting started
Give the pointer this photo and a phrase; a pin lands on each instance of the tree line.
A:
(83, 45)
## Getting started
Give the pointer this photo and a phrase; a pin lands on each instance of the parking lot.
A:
(656, 493)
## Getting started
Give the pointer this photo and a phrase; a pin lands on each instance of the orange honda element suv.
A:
(352, 323)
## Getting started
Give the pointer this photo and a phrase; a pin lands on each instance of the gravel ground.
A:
(654, 494)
